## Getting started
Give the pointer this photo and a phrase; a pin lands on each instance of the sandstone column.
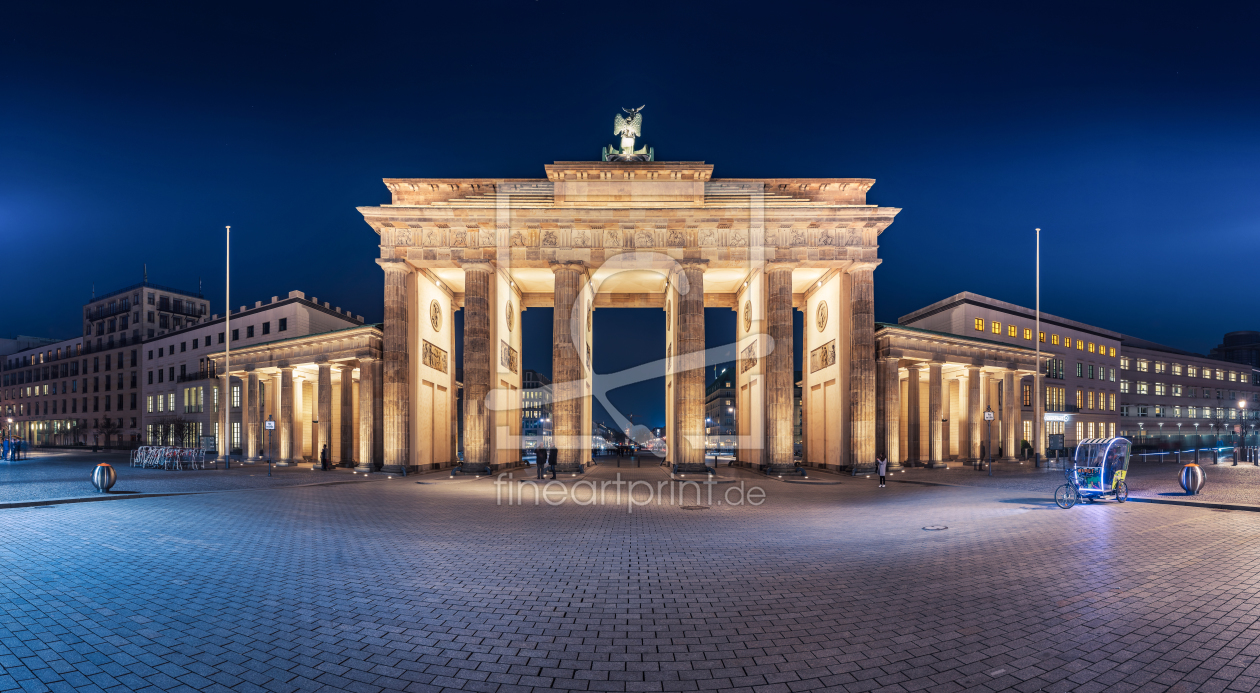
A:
(1010, 410)
(779, 371)
(935, 437)
(862, 365)
(689, 371)
(888, 414)
(397, 389)
(477, 365)
(365, 415)
(913, 417)
(566, 366)
(975, 413)
(347, 413)
(286, 414)
(249, 413)
(324, 398)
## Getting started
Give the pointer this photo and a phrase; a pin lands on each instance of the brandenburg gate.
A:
(628, 231)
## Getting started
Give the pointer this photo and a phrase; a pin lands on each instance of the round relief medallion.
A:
(822, 315)
(435, 315)
(509, 314)
(747, 315)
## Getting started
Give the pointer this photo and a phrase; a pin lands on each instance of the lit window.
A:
(1111, 401)
(1091, 347)
(1080, 400)
(1176, 412)
(1112, 373)
(1192, 371)
(980, 324)
(1161, 389)
(1124, 363)
(1176, 390)
(1220, 375)
(1176, 369)
(1143, 388)
(1010, 331)
(1041, 337)
(1192, 412)
(996, 327)
(1054, 339)
(1160, 367)
(1233, 376)
(1080, 345)
(1091, 399)
(1143, 365)
(1028, 333)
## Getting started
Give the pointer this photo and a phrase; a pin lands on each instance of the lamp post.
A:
(988, 425)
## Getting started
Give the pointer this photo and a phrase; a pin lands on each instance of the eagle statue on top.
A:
(628, 129)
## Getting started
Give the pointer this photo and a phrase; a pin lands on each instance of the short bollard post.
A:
(103, 477)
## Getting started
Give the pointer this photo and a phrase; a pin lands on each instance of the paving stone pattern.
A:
(396, 585)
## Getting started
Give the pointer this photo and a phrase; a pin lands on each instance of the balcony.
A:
(193, 377)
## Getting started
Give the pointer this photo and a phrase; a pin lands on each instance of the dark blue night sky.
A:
(132, 133)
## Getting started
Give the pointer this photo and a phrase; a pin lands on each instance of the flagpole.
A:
(1037, 425)
(227, 352)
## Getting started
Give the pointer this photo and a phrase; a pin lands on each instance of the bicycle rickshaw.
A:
(1099, 467)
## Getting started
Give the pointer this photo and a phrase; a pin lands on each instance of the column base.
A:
(364, 468)
(692, 468)
(283, 463)
(939, 464)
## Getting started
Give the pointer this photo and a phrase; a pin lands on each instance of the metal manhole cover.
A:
(694, 507)
(935, 527)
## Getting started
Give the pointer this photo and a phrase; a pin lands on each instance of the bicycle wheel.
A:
(1122, 492)
(1065, 496)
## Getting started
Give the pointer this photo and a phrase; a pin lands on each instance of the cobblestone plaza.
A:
(391, 584)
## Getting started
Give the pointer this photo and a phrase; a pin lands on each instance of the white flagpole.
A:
(227, 352)
(1037, 425)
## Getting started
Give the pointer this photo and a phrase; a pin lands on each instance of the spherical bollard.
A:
(103, 477)
(1192, 479)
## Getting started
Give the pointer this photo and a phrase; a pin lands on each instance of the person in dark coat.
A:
(323, 458)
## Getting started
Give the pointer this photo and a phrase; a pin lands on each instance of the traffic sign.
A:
(988, 416)
(271, 425)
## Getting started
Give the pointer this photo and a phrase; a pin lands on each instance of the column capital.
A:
(861, 265)
(322, 360)
(780, 264)
(694, 262)
(477, 264)
(394, 265)
(561, 265)
(285, 366)
(366, 360)
(250, 368)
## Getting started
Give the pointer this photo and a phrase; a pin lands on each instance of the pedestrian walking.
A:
(5, 454)
(323, 458)
(553, 457)
(881, 464)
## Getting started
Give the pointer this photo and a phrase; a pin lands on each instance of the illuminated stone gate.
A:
(608, 234)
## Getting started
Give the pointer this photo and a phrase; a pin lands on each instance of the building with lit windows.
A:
(141, 311)
(535, 409)
(719, 411)
(55, 394)
(1080, 362)
(1171, 398)
(181, 388)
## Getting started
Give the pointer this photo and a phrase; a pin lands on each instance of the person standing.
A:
(881, 464)
(323, 458)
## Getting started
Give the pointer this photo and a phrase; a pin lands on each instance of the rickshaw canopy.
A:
(1098, 460)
